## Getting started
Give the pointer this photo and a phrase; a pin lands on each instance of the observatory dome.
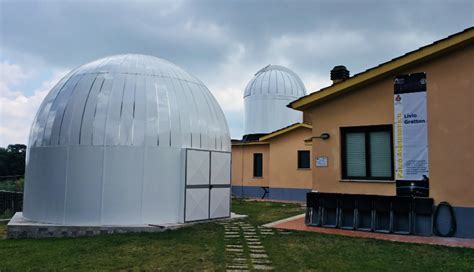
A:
(128, 140)
(266, 97)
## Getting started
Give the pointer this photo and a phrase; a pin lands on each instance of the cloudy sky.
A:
(221, 42)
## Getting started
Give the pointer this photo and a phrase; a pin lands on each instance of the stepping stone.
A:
(234, 250)
(238, 263)
(239, 260)
(257, 251)
(254, 243)
(231, 236)
(231, 232)
(237, 266)
(234, 246)
(235, 255)
(262, 267)
(261, 261)
(255, 247)
(258, 256)
(252, 239)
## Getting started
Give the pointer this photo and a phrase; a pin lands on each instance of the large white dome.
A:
(123, 140)
(130, 100)
(266, 97)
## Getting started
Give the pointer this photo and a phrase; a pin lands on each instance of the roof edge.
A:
(451, 42)
(250, 143)
(284, 130)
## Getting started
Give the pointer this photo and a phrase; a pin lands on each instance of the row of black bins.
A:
(386, 214)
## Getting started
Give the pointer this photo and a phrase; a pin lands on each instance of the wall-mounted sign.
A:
(321, 161)
(410, 127)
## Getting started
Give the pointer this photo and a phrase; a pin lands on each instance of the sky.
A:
(223, 43)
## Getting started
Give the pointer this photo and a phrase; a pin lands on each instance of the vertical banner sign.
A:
(411, 127)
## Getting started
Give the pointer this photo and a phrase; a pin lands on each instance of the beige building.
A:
(277, 166)
(365, 102)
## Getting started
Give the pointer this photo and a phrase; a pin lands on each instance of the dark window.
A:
(257, 165)
(303, 159)
(367, 152)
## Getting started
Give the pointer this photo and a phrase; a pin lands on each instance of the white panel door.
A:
(220, 168)
(207, 185)
(197, 167)
(197, 204)
(220, 202)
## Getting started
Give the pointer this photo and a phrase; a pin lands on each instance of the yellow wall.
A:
(242, 165)
(450, 93)
(284, 172)
(280, 162)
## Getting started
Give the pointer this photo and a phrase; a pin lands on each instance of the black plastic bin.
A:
(313, 210)
(329, 209)
(347, 211)
(423, 216)
(402, 215)
(382, 207)
(364, 215)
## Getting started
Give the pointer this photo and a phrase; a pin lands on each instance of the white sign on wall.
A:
(410, 127)
(321, 161)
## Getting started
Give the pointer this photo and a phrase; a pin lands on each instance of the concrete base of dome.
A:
(19, 227)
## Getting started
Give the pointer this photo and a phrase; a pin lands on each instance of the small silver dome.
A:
(275, 80)
(266, 97)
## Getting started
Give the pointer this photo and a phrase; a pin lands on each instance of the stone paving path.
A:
(243, 248)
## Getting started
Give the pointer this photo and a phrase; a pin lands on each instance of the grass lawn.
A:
(201, 247)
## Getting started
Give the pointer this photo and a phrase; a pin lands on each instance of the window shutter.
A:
(380, 154)
(355, 154)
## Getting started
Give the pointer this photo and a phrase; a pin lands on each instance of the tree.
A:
(12, 160)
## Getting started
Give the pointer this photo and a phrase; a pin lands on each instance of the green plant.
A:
(7, 214)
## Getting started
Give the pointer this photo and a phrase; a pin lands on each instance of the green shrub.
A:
(7, 214)
(13, 185)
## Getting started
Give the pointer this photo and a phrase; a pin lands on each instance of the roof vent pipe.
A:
(339, 73)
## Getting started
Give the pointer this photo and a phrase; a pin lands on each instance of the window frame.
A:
(254, 164)
(298, 160)
(366, 130)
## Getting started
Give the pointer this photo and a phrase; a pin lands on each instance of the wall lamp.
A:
(323, 136)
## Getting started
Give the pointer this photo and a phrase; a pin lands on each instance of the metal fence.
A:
(10, 202)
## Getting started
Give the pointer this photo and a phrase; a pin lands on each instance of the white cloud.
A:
(10, 76)
(16, 109)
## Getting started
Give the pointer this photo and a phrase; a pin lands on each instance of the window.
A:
(303, 159)
(257, 165)
(367, 152)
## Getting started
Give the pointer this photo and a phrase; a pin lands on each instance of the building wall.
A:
(450, 99)
(280, 172)
(284, 172)
(242, 165)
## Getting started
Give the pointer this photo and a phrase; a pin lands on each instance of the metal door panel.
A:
(220, 168)
(220, 202)
(197, 204)
(197, 167)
